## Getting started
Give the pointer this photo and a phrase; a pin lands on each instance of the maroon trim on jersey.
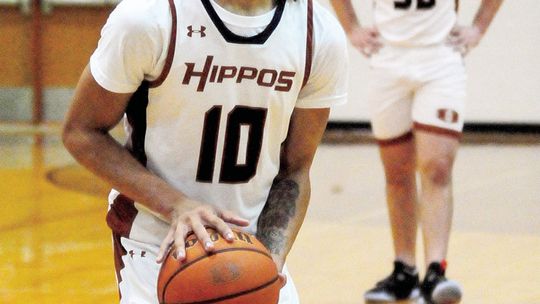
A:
(232, 37)
(136, 117)
(396, 140)
(122, 212)
(437, 130)
(118, 252)
(170, 51)
(309, 43)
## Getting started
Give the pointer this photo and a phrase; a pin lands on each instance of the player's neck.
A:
(247, 7)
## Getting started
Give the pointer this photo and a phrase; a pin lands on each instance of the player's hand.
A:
(196, 220)
(365, 39)
(464, 38)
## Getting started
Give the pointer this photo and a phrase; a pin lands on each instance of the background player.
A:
(225, 105)
(416, 101)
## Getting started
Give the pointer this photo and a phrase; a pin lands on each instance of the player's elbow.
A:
(73, 138)
(69, 136)
(295, 165)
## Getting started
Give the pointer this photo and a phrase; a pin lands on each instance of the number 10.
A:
(231, 171)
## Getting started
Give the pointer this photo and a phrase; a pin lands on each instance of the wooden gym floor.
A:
(55, 246)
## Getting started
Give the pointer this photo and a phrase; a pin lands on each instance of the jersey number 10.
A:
(232, 170)
(420, 4)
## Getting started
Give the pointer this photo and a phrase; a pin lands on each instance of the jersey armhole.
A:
(170, 51)
(309, 43)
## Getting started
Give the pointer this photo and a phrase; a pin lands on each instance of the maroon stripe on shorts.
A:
(119, 251)
(437, 130)
(121, 215)
(309, 43)
(120, 219)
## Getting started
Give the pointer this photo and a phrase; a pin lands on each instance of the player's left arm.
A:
(464, 38)
(289, 195)
(286, 206)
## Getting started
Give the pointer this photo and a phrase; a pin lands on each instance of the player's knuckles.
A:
(188, 221)
(227, 215)
(180, 231)
(206, 214)
(222, 227)
(214, 221)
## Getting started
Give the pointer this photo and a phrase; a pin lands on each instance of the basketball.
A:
(238, 272)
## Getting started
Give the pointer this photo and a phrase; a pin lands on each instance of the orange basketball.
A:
(238, 272)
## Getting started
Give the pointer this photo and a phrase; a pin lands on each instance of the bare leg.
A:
(398, 158)
(435, 159)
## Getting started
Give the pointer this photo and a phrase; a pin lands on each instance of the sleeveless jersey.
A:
(414, 22)
(213, 122)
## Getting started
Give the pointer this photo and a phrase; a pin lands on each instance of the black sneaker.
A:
(437, 289)
(402, 284)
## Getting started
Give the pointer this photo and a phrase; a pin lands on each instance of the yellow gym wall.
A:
(15, 32)
(69, 37)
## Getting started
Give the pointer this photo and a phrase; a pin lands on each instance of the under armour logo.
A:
(448, 115)
(133, 253)
(200, 32)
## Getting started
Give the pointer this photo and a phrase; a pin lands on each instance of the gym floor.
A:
(55, 246)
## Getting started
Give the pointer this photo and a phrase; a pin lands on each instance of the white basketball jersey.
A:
(213, 122)
(414, 22)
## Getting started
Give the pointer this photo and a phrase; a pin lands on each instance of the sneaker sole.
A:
(386, 298)
(448, 292)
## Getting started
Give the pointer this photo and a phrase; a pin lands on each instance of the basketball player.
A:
(417, 101)
(225, 102)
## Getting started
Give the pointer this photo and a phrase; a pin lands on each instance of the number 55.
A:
(420, 4)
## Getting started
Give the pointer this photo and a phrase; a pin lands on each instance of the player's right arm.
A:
(93, 113)
(364, 39)
(128, 50)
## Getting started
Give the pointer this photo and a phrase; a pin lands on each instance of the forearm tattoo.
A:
(277, 213)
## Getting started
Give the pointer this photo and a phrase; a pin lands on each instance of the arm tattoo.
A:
(276, 214)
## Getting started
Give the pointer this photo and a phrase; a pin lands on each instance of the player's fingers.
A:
(223, 229)
(455, 35)
(458, 44)
(377, 44)
(456, 30)
(374, 45)
(374, 34)
(217, 222)
(202, 235)
(179, 242)
(370, 41)
(165, 246)
(452, 40)
(464, 50)
(365, 52)
(374, 51)
(231, 218)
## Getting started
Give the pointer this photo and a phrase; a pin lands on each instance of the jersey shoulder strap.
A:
(170, 50)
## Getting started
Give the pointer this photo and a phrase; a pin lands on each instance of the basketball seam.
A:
(204, 257)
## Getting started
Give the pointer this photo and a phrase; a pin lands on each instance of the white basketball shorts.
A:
(422, 87)
(137, 272)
